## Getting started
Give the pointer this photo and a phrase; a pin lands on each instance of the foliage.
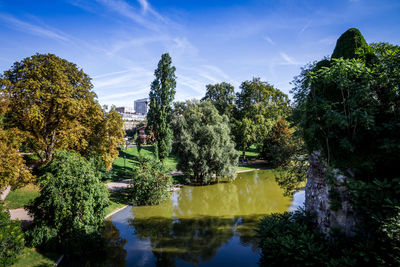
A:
(150, 185)
(292, 239)
(222, 95)
(162, 93)
(13, 169)
(279, 145)
(351, 44)
(289, 239)
(259, 105)
(349, 109)
(293, 176)
(203, 143)
(107, 136)
(52, 103)
(69, 212)
(11, 238)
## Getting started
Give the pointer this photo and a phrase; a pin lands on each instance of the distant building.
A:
(130, 118)
(141, 106)
(124, 110)
(142, 134)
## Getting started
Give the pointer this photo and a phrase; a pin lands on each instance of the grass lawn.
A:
(128, 159)
(21, 197)
(251, 152)
(32, 257)
(118, 200)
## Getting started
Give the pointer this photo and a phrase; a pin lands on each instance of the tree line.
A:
(205, 134)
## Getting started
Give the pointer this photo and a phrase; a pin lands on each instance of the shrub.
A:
(150, 185)
(286, 240)
(11, 238)
(70, 209)
(292, 239)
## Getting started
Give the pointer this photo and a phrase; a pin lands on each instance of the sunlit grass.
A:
(32, 257)
(21, 197)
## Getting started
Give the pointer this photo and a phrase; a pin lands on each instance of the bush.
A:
(150, 185)
(285, 240)
(11, 238)
(70, 210)
(292, 239)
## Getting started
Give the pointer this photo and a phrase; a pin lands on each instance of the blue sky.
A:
(119, 42)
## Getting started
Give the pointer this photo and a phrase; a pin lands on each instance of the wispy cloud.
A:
(125, 9)
(288, 60)
(123, 95)
(269, 40)
(30, 28)
(123, 78)
(145, 5)
(328, 41)
(147, 8)
(308, 24)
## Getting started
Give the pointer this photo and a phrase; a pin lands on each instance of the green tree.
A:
(69, 212)
(279, 146)
(150, 184)
(222, 95)
(52, 103)
(11, 238)
(259, 105)
(349, 109)
(162, 93)
(203, 143)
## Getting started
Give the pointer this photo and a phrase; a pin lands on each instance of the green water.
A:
(200, 225)
(252, 193)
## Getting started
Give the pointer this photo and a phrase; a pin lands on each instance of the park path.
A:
(22, 214)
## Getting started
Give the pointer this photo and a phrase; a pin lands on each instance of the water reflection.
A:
(112, 253)
(209, 225)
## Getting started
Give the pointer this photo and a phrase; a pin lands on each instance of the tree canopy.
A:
(51, 102)
(259, 105)
(13, 169)
(162, 93)
(222, 95)
(70, 209)
(203, 143)
(349, 109)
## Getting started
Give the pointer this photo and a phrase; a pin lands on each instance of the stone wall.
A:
(318, 199)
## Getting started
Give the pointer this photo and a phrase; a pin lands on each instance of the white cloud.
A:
(308, 24)
(121, 96)
(288, 60)
(34, 29)
(269, 40)
(145, 5)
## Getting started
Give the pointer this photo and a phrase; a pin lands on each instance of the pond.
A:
(200, 225)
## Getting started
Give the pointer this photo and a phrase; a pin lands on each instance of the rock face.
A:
(318, 199)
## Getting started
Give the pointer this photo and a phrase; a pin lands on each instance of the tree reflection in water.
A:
(193, 240)
(111, 252)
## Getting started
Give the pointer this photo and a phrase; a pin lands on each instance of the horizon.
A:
(119, 43)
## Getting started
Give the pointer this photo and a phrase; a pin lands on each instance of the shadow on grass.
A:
(121, 196)
(121, 172)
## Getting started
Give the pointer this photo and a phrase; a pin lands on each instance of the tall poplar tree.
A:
(161, 95)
